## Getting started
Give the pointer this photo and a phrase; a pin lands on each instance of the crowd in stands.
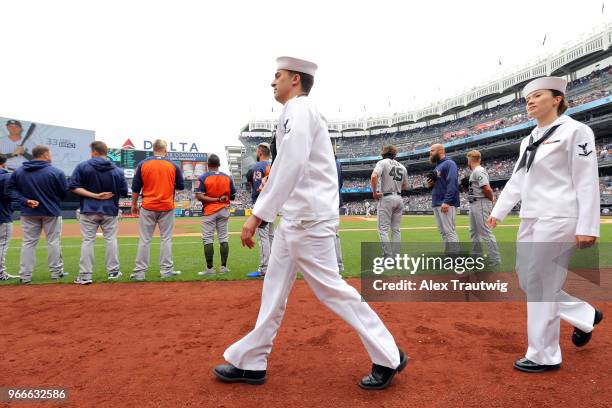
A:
(242, 200)
(184, 195)
(360, 207)
(605, 189)
(604, 149)
(594, 86)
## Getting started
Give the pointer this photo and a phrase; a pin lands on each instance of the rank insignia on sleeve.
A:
(286, 126)
(584, 150)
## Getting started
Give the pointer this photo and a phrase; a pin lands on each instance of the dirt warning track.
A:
(154, 345)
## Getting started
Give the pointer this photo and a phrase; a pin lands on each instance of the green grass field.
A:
(189, 258)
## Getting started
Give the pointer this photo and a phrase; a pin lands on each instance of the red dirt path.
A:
(154, 345)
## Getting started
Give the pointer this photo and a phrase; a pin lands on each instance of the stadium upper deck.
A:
(481, 115)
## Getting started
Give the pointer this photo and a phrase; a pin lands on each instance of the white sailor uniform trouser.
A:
(308, 247)
(542, 269)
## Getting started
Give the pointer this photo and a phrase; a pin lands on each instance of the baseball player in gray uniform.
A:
(481, 199)
(393, 179)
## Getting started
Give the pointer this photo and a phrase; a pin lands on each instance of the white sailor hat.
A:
(554, 83)
(297, 65)
(264, 144)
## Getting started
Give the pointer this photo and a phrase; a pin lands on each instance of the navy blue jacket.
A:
(340, 182)
(38, 180)
(446, 188)
(99, 175)
(6, 210)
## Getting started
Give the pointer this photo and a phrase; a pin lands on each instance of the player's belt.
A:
(473, 200)
(391, 193)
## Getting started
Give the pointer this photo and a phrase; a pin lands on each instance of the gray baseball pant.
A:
(32, 227)
(338, 247)
(265, 237)
(6, 231)
(146, 226)
(390, 210)
(479, 230)
(446, 226)
(89, 224)
(218, 221)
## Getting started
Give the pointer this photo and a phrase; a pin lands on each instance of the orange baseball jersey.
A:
(156, 179)
(215, 184)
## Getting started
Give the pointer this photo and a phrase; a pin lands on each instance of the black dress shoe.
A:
(529, 366)
(381, 376)
(580, 338)
(229, 373)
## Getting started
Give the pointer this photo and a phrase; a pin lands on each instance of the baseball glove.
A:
(465, 182)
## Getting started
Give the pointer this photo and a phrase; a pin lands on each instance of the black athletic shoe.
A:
(529, 366)
(580, 338)
(229, 373)
(381, 377)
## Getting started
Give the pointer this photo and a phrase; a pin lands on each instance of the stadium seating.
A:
(594, 86)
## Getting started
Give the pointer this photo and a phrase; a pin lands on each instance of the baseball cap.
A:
(264, 144)
(13, 122)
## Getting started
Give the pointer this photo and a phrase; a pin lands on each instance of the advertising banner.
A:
(68, 146)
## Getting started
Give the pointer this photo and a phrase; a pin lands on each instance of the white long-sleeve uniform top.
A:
(562, 181)
(303, 181)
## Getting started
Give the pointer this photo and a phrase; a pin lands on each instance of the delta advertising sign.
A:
(186, 155)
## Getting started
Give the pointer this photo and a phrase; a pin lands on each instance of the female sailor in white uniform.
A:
(557, 182)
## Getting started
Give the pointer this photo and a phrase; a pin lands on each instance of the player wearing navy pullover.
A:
(39, 187)
(6, 218)
(445, 196)
(100, 184)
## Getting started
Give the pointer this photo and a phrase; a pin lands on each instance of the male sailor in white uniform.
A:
(303, 187)
(557, 182)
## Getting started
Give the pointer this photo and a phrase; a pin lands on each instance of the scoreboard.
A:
(127, 159)
(193, 165)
